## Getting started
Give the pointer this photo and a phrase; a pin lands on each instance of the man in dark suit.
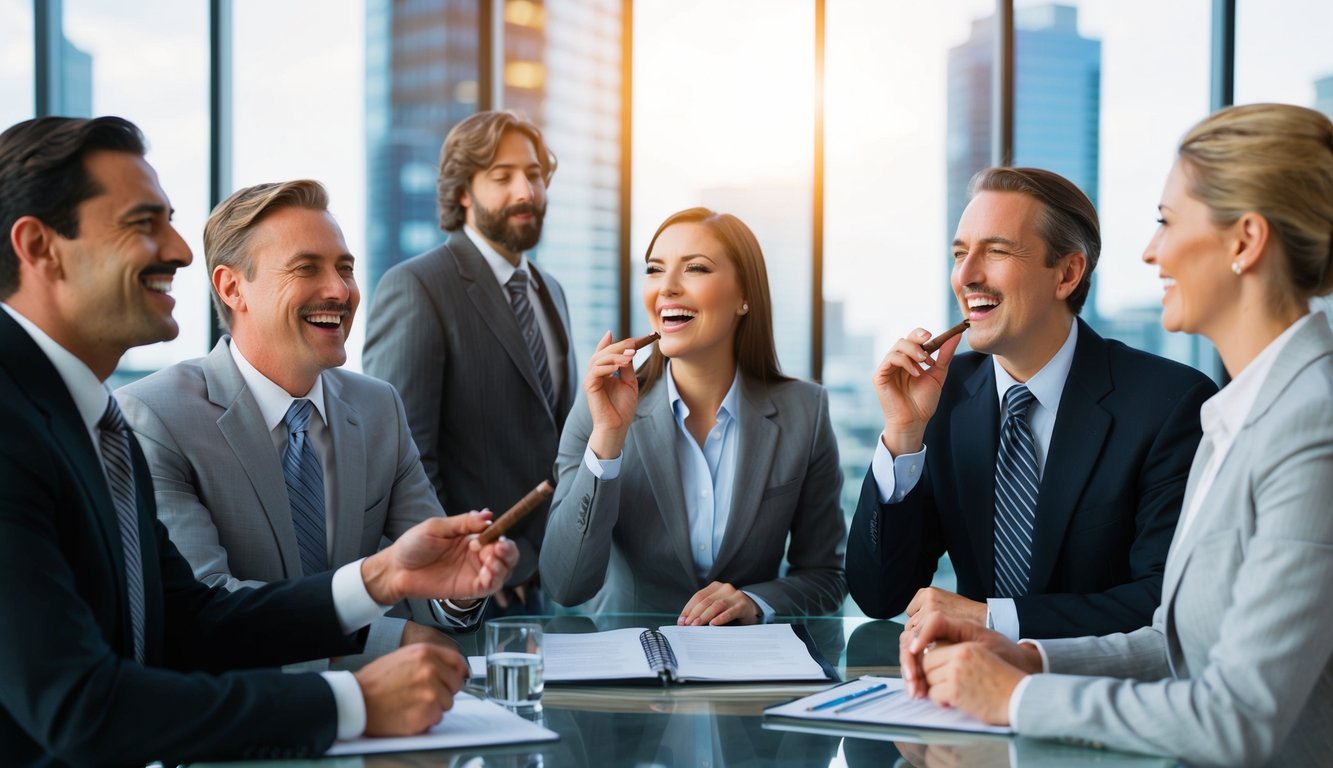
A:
(476, 337)
(1050, 463)
(110, 651)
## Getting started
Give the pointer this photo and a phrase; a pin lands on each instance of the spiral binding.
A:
(657, 648)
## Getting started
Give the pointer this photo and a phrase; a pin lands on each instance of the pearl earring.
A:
(1236, 267)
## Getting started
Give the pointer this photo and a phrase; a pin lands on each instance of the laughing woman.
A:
(1237, 667)
(681, 486)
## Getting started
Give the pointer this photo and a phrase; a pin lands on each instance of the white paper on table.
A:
(896, 709)
(470, 723)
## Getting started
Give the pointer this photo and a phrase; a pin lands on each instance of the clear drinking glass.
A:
(514, 663)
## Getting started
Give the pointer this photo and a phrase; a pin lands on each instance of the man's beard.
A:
(513, 237)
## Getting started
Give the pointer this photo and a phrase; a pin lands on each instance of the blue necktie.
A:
(527, 323)
(114, 437)
(1015, 495)
(305, 488)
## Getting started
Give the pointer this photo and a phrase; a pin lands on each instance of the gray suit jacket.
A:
(219, 484)
(442, 332)
(624, 543)
(1237, 667)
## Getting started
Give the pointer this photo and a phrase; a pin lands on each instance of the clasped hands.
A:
(947, 654)
(409, 690)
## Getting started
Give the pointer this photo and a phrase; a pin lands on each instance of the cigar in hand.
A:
(504, 522)
(934, 344)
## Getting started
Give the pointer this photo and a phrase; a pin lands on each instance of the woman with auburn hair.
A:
(680, 487)
(1237, 667)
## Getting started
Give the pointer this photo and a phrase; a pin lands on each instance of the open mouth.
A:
(979, 307)
(325, 320)
(676, 318)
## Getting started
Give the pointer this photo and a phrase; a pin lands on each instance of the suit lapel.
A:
(349, 477)
(488, 298)
(974, 435)
(1081, 428)
(759, 435)
(243, 428)
(654, 436)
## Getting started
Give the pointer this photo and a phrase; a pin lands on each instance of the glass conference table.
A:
(710, 725)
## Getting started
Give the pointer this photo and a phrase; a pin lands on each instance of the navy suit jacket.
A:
(70, 690)
(1111, 491)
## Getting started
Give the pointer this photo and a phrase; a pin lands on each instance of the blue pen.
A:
(847, 698)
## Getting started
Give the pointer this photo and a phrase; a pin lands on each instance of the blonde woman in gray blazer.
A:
(682, 487)
(1237, 667)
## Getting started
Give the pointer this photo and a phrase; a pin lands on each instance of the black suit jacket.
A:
(1110, 494)
(70, 691)
(443, 333)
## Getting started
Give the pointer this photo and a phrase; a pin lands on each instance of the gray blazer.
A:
(1237, 667)
(624, 544)
(441, 330)
(219, 484)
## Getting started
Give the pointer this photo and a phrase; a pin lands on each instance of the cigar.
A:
(937, 342)
(644, 341)
(517, 512)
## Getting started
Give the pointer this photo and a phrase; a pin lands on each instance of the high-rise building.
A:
(1057, 107)
(560, 69)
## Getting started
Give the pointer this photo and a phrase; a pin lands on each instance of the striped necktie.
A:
(305, 488)
(532, 336)
(114, 437)
(1015, 495)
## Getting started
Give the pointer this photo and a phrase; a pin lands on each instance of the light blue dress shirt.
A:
(895, 477)
(707, 474)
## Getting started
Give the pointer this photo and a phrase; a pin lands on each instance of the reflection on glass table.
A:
(714, 725)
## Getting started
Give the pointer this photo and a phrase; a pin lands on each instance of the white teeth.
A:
(325, 318)
(159, 283)
(979, 302)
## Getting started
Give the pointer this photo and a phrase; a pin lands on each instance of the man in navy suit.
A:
(1063, 530)
(110, 651)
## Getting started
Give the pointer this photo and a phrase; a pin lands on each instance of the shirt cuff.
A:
(353, 604)
(349, 702)
(765, 610)
(465, 618)
(1014, 699)
(1002, 616)
(896, 477)
(602, 469)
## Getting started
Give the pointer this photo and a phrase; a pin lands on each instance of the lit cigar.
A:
(517, 512)
(937, 342)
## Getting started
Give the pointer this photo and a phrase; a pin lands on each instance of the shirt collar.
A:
(1225, 412)
(1047, 384)
(725, 411)
(88, 392)
(273, 400)
(499, 265)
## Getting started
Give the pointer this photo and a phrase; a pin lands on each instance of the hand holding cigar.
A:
(934, 344)
(504, 522)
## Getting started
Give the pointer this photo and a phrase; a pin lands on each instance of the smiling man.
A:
(1049, 463)
(268, 461)
(476, 336)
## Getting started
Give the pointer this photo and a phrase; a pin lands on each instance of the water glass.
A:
(514, 663)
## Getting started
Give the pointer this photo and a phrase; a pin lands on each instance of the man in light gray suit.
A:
(221, 433)
(476, 337)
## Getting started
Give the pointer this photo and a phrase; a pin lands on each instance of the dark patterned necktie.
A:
(527, 323)
(1015, 495)
(114, 437)
(305, 488)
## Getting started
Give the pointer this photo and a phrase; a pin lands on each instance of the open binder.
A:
(671, 654)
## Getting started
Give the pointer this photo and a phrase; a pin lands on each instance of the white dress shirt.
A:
(352, 603)
(896, 477)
